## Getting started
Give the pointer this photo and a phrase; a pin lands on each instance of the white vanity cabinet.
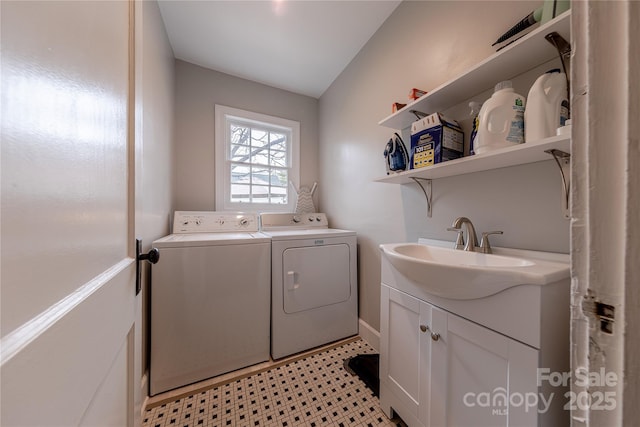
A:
(440, 366)
(444, 370)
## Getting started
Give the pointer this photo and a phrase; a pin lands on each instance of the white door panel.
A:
(404, 366)
(64, 170)
(315, 276)
(68, 276)
(51, 379)
(470, 362)
(114, 392)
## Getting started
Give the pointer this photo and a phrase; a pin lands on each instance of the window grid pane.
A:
(259, 164)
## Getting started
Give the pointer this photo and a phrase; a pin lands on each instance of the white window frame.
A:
(223, 115)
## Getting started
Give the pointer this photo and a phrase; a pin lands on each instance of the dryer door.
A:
(315, 276)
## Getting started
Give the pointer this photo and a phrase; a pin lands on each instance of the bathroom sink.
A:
(458, 274)
(448, 256)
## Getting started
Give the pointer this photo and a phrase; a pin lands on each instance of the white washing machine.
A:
(314, 282)
(210, 298)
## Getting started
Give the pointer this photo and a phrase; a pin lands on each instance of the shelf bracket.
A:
(563, 160)
(428, 192)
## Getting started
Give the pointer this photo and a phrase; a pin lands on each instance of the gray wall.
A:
(154, 128)
(425, 44)
(197, 91)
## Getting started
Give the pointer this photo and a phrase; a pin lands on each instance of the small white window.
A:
(256, 158)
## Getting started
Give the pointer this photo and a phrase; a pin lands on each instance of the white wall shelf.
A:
(522, 55)
(529, 152)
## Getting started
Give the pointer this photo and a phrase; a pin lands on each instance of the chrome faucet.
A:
(485, 246)
(472, 239)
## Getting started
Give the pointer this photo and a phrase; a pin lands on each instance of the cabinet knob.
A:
(425, 328)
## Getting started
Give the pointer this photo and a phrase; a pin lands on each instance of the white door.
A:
(400, 357)
(477, 376)
(68, 273)
(315, 276)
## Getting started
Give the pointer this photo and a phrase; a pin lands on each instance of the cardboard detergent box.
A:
(434, 139)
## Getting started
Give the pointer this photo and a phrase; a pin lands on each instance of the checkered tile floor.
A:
(314, 391)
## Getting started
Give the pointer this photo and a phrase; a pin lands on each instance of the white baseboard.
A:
(370, 335)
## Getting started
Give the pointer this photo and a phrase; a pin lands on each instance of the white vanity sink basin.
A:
(448, 256)
(458, 274)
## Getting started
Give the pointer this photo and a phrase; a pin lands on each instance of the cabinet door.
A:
(478, 377)
(400, 351)
(433, 322)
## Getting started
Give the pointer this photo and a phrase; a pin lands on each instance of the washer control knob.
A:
(310, 219)
(244, 222)
(296, 219)
(318, 219)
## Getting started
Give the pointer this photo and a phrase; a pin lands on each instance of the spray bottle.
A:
(475, 110)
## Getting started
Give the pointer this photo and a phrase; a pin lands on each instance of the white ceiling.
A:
(296, 45)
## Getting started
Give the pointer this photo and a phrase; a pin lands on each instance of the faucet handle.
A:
(485, 246)
(460, 239)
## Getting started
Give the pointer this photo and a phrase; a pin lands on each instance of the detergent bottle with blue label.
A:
(501, 120)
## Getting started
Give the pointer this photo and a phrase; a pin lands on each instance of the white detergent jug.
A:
(501, 119)
(547, 106)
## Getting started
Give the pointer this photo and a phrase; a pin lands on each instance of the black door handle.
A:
(153, 256)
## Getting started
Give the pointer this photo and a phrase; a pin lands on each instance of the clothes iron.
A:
(395, 154)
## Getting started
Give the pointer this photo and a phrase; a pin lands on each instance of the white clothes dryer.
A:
(210, 294)
(314, 282)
